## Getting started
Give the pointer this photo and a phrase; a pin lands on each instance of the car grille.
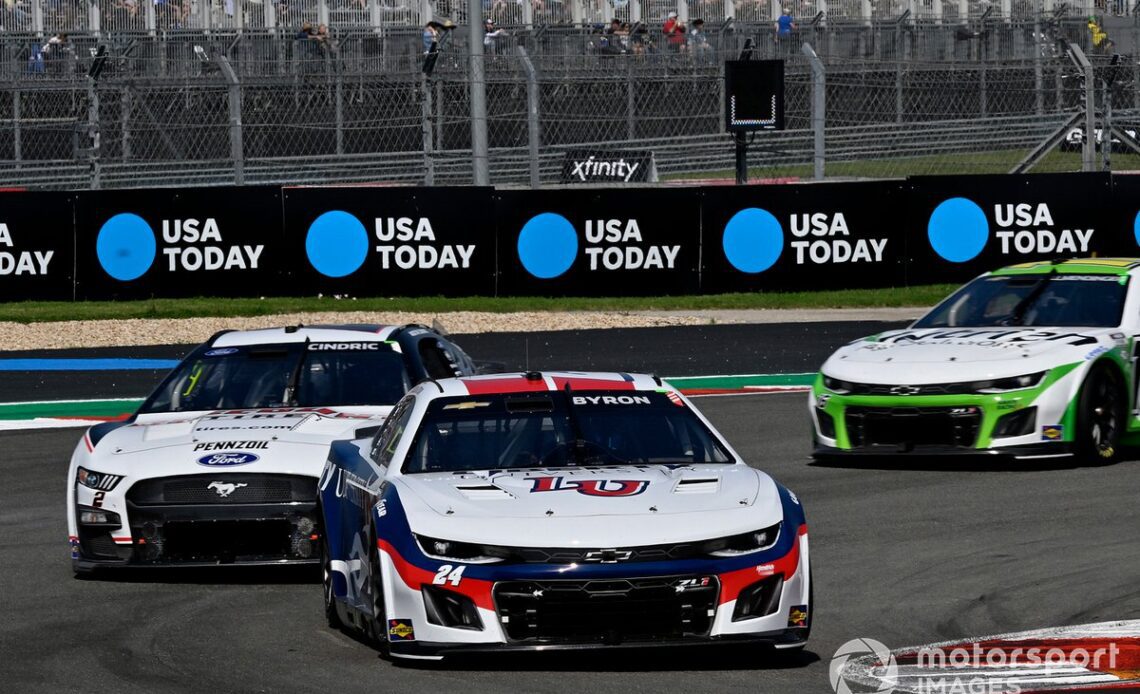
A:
(913, 426)
(929, 389)
(243, 540)
(624, 555)
(607, 611)
(223, 489)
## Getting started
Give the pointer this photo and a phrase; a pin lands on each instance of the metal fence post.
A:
(17, 142)
(818, 110)
(426, 132)
(1088, 150)
(92, 133)
(1038, 75)
(480, 165)
(237, 151)
(125, 123)
(532, 132)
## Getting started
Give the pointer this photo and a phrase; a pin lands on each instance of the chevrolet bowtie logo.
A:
(904, 390)
(608, 556)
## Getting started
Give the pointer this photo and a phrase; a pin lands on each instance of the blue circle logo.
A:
(1136, 228)
(125, 246)
(547, 245)
(753, 240)
(958, 230)
(336, 244)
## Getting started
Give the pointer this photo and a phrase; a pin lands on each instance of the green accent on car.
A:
(1076, 266)
(992, 405)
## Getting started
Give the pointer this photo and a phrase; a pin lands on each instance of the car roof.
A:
(1073, 266)
(541, 381)
(313, 333)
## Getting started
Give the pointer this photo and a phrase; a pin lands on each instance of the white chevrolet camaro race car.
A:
(220, 464)
(1032, 361)
(558, 510)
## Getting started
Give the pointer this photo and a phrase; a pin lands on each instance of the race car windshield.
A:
(560, 429)
(1047, 299)
(294, 375)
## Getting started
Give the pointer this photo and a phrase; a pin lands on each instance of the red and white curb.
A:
(1091, 657)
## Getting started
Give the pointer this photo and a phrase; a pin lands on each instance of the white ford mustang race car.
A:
(220, 464)
(557, 510)
(1036, 360)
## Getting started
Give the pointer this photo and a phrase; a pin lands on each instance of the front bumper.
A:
(182, 521)
(539, 607)
(1027, 424)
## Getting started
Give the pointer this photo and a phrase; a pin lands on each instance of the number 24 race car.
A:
(1032, 361)
(547, 510)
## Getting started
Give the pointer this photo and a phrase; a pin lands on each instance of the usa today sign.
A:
(964, 225)
(172, 242)
(802, 237)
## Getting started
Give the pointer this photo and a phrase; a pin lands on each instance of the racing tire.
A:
(331, 614)
(378, 625)
(1100, 417)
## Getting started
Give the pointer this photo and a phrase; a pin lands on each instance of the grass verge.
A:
(44, 311)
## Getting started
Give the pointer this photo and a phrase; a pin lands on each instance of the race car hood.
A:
(286, 440)
(602, 506)
(947, 355)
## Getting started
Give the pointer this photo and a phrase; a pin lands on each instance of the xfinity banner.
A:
(802, 237)
(37, 253)
(608, 166)
(598, 242)
(961, 226)
(134, 244)
(392, 241)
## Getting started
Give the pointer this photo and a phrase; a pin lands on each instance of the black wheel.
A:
(331, 615)
(1100, 417)
(378, 625)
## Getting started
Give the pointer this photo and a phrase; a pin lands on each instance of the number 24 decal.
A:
(448, 574)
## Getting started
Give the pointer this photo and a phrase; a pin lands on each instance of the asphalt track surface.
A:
(676, 351)
(904, 555)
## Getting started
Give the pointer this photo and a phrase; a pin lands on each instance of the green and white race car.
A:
(1036, 360)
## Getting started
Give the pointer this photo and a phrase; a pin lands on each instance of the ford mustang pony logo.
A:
(227, 459)
(224, 489)
(589, 487)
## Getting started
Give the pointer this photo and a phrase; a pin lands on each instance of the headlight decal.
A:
(97, 480)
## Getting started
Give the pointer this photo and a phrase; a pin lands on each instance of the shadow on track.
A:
(650, 659)
(964, 463)
(208, 575)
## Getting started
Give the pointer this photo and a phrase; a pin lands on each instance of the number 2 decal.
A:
(448, 574)
(97, 502)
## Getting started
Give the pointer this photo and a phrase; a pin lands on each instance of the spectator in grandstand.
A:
(491, 36)
(1100, 41)
(674, 31)
(306, 31)
(324, 44)
(57, 53)
(431, 35)
(699, 46)
(785, 25)
(14, 17)
(639, 39)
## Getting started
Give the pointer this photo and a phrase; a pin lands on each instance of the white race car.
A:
(220, 464)
(558, 510)
(1036, 360)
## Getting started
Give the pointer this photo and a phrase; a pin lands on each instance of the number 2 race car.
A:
(1036, 360)
(220, 464)
(547, 510)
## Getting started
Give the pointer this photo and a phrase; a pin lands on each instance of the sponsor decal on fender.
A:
(401, 630)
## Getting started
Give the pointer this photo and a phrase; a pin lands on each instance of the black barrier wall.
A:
(379, 241)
